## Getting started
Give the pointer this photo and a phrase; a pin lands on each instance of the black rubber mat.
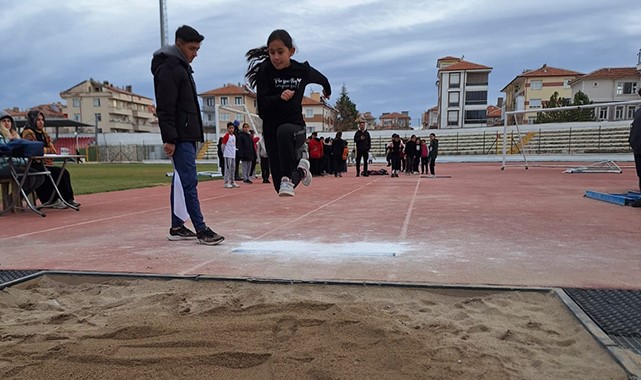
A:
(7, 276)
(616, 312)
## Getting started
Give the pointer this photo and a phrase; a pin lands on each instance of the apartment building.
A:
(318, 115)
(235, 102)
(533, 88)
(462, 93)
(610, 85)
(395, 120)
(114, 109)
(429, 119)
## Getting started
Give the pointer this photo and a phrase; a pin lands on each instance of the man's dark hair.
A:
(188, 34)
(230, 124)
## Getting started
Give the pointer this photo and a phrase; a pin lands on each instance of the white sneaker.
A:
(58, 204)
(286, 188)
(304, 165)
(234, 184)
(228, 186)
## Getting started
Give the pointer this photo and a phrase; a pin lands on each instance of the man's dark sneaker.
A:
(181, 233)
(209, 237)
(266, 181)
(636, 203)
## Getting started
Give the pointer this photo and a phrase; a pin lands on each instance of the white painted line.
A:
(408, 215)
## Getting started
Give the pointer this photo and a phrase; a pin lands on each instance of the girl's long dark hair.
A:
(256, 57)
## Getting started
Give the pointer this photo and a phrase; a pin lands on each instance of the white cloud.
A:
(384, 51)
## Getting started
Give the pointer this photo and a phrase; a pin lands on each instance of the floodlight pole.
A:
(163, 23)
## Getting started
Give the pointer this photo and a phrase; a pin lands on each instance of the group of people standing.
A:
(240, 149)
(408, 156)
(327, 155)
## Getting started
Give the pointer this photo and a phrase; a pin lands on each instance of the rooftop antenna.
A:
(163, 23)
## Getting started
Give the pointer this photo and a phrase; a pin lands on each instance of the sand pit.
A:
(104, 328)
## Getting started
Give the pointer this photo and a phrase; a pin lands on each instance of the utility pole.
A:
(163, 23)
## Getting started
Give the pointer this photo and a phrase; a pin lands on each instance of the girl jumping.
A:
(280, 85)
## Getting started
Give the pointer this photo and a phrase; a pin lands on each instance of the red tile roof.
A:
(307, 101)
(465, 65)
(613, 73)
(549, 71)
(229, 89)
(394, 115)
(544, 71)
(493, 111)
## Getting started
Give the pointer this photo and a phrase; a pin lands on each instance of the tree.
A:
(347, 112)
(580, 98)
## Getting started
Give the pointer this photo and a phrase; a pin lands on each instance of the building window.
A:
(238, 101)
(452, 117)
(210, 117)
(96, 102)
(626, 88)
(224, 116)
(477, 79)
(531, 120)
(536, 85)
(618, 113)
(603, 113)
(566, 83)
(455, 80)
(239, 117)
(223, 101)
(631, 110)
(98, 117)
(76, 102)
(476, 97)
(535, 103)
(453, 99)
(475, 116)
(210, 102)
(309, 113)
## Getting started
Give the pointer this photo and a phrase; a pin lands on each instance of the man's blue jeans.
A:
(184, 159)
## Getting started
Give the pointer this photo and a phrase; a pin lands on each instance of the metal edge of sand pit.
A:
(620, 354)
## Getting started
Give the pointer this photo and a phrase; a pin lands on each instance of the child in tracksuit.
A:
(395, 149)
(229, 154)
(280, 85)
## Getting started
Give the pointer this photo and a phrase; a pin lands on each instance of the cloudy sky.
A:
(384, 52)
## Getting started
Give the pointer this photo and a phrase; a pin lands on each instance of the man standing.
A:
(181, 128)
(410, 153)
(635, 143)
(363, 143)
(433, 153)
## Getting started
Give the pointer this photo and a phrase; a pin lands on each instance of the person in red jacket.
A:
(315, 154)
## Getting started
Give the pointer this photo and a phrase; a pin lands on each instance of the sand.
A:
(61, 327)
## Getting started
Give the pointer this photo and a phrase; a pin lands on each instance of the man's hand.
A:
(169, 149)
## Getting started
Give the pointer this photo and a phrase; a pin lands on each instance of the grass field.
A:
(98, 178)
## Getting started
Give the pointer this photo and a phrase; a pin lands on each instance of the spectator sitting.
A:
(8, 132)
(35, 131)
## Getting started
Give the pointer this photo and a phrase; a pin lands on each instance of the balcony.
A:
(120, 111)
(143, 114)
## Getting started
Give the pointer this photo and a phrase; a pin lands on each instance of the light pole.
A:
(97, 119)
